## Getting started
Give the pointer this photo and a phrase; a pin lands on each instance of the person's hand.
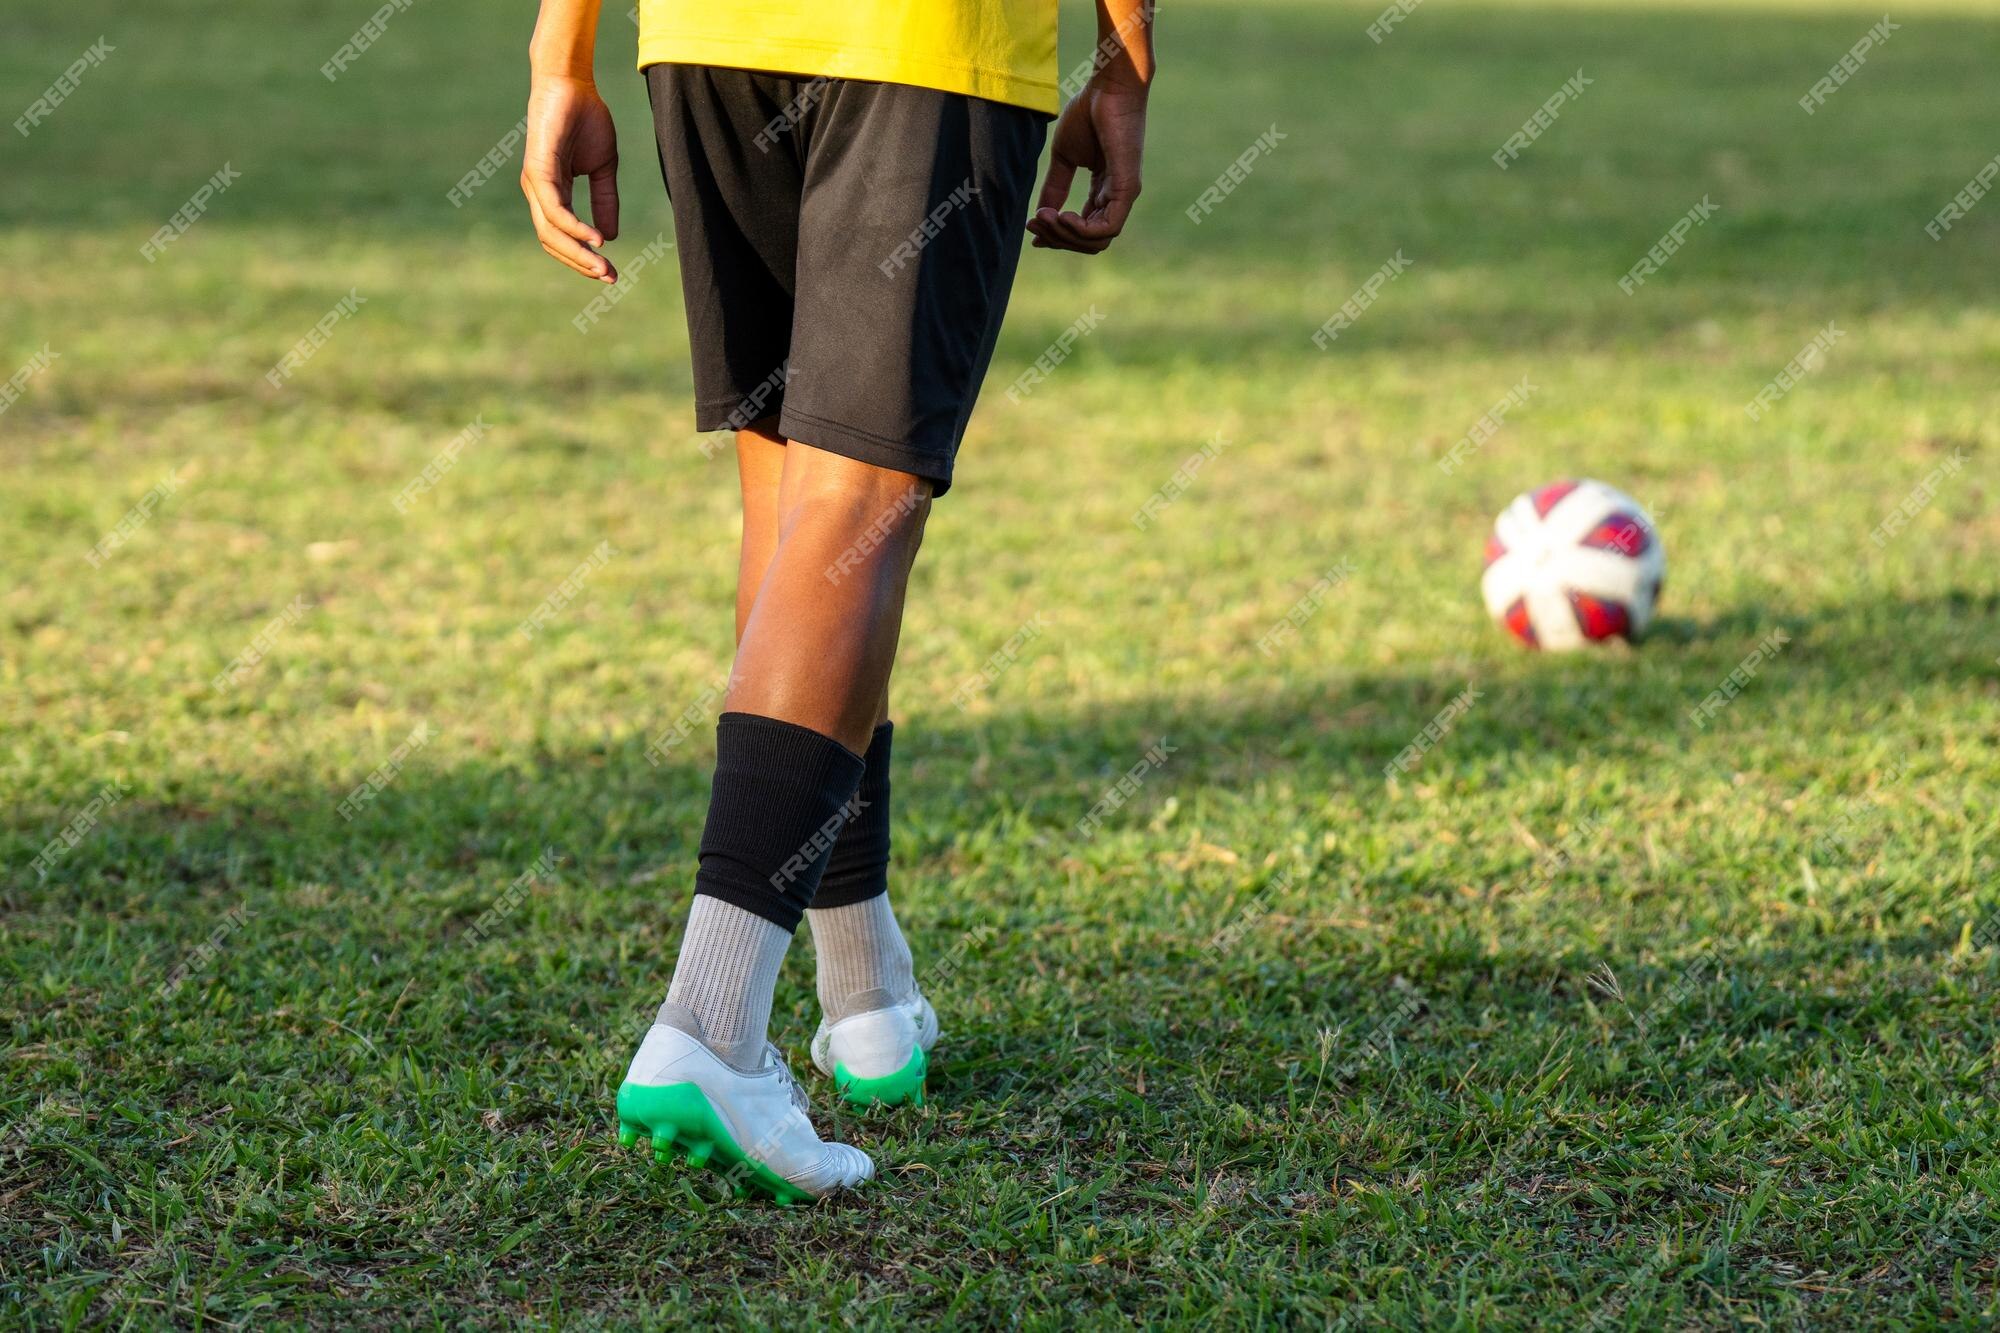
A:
(1103, 129)
(569, 135)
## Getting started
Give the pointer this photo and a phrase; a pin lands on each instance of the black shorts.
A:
(846, 252)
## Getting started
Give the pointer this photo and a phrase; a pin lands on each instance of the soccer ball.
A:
(1573, 563)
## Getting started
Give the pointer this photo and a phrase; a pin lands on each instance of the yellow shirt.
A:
(1003, 50)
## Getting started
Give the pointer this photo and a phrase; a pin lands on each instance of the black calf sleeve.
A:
(781, 796)
(858, 867)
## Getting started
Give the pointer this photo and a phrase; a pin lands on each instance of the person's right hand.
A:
(570, 134)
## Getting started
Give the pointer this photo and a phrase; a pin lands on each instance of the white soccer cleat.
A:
(880, 1054)
(752, 1128)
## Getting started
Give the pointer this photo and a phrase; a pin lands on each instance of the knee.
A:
(872, 525)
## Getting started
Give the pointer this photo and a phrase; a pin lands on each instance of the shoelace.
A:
(792, 1088)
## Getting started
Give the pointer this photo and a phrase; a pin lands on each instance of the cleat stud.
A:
(627, 1135)
(663, 1156)
(698, 1155)
(663, 1138)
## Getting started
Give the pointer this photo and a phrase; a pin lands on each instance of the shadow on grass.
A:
(1036, 773)
(362, 1021)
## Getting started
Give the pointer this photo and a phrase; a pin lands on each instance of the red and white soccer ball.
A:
(1573, 563)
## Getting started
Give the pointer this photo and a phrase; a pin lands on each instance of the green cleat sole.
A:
(678, 1121)
(905, 1085)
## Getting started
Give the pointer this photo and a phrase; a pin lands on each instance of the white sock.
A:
(724, 979)
(862, 957)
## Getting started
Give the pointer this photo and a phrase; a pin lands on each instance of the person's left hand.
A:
(1103, 129)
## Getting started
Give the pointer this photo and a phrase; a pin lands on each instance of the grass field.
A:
(1606, 1014)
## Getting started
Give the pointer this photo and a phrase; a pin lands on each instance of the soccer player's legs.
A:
(910, 229)
(846, 251)
(864, 964)
(760, 464)
(811, 670)
(705, 1083)
(882, 362)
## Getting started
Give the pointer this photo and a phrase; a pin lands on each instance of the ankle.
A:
(863, 960)
(724, 980)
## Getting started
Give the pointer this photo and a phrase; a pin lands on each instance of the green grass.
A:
(1596, 1014)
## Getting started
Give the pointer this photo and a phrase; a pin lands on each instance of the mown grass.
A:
(1598, 1015)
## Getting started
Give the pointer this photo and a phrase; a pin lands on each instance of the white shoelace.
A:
(792, 1088)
